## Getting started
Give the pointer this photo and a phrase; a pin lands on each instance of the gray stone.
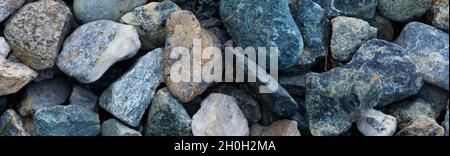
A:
(439, 14)
(150, 20)
(129, 96)
(69, 120)
(46, 74)
(4, 48)
(83, 97)
(113, 127)
(39, 95)
(403, 10)
(385, 29)
(14, 76)
(398, 75)
(376, 123)
(362, 9)
(445, 123)
(348, 35)
(36, 32)
(428, 49)
(11, 124)
(279, 128)
(94, 47)
(167, 117)
(422, 126)
(89, 10)
(8, 7)
(219, 115)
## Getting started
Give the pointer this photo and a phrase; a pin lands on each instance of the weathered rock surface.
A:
(439, 14)
(88, 10)
(376, 123)
(11, 124)
(14, 76)
(362, 9)
(4, 48)
(422, 127)
(83, 97)
(7, 7)
(279, 128)
(113, 127)
(403, 10)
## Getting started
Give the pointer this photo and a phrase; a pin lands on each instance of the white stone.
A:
(376, 123)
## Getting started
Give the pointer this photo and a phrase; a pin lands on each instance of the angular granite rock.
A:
(376, 123)
(7, 7)
(362, 9)
(263, 23)
(403, 10)
(4, 48)
(219, 116)
(150, 21)
(428, 49)
(422, 126)
(69, 120)
(83, 97)
(94, 47)
(279, 128)
(385, 29)
(398, 75)
(11, 124)
(129, 96)
(113, 127)
(439, 14)
(36, 32)
(183, 29)
(348, 34)
(89, 10)
(14, 76)
(167, 117)
(339, 97)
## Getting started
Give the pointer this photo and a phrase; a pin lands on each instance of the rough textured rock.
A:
(348, 35)
(150, 20)
(11, 124)
(7, 7)
(36, 32)
(167, 117)
(263, 23)
(403, 10)
(83, 97)
(113, 127)
(385, 29)
(422, 127)
(428, 48)
(439, 14)
(279, 128)
(13, 76)
(4, 48)
(28, 125)
(94, 47)
(362, 9)
(376, 123)
(398, 75)
(126, 99)
(43, 94)
(182, 29)
(69, 120)
(219, 115)
(445, 123)
(338, 97)
(88, 10)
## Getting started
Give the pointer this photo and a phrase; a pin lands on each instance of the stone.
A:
(88, 10)
(69, 120)
(445, 123)
(398, 75)
(376, 123)
(8, 7)
(36, 32)
(247, 104)
(46, 74)
(4, 48)
(94, 47)
(11, 124)
(150, 20)
(14, 76)
(279, 128)
(129, 96)
(113, 127)
(439, 14)
(28, 125)
(167, 117)
(428, 48)
(83, 97)
(337, 98)
(39, 95)
(385, 29)
(403, 10)
(219, 115)
(315, 28)
(183, 29)
(423, 126)
(362, 9)
(348, 35)
(294, 84)
(263, 23)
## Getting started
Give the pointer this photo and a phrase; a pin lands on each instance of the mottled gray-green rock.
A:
(129, 96)
(89, 10)
(337, 98)
(83, 97)
(376, 123)
(362, 9)
(43, 94)
(422, 126)
(279, 128)
(4, 48)
(348, 34)
(403, 10)
(445, 123)
(14, 76)
(439, 14)
(69, 120)
(428, 49)
(7, 7)
(113, 127)
(94, 47)
(150, 21)
(36, 32)
(167, 117)
(11, 124)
